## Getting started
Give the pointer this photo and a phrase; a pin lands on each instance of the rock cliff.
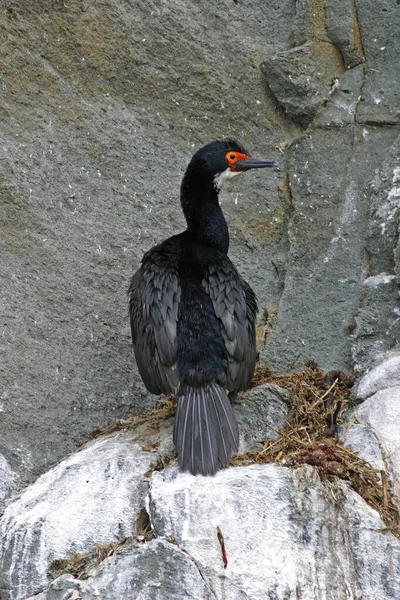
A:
(101, 107)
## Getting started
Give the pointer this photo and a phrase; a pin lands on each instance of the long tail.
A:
(205, 429)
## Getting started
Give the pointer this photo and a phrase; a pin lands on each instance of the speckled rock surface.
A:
(101, 107)
(375, 436)
(157, 570)
(286, 533)
(285, 537)
(382, 375)
(260, 413)
(91, 498)
(342, 172)
(8, 481)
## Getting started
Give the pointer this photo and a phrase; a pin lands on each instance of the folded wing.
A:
(154, 295)
(235, 305)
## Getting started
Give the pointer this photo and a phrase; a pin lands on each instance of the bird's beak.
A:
(254, 163)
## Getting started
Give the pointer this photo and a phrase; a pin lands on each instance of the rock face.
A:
(260, 412)
(97, 496)
(339, 303)
(378, 415)
(101, 107)
(133, 576)
(285, 538)
(91, 498)
(7, 481)
(285, 533)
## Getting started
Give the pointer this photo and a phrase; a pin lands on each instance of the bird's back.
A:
(192, 318)
(193, 331)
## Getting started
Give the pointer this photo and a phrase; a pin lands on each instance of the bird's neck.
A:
(205, 220)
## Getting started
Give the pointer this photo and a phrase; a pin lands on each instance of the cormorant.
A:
(193, 316)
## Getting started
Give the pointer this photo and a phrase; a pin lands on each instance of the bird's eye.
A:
(233, 158)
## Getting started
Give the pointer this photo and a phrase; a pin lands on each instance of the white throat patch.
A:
(221, 178)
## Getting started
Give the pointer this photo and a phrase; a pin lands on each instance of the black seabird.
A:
(193, 316)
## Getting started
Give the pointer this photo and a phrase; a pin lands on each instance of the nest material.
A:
(319, 403)
(81, 565)
(320, 400)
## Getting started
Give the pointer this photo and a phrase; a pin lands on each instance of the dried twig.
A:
(222, 544)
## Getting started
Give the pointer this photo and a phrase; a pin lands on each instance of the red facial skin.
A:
(233, 158)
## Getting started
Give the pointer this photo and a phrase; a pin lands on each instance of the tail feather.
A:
(205, 430)
(208, 450)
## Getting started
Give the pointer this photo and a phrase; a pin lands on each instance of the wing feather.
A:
(235, 305)
(154, 296)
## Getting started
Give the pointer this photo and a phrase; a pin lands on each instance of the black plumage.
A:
(193, 316)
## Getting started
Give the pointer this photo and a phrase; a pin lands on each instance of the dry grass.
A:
(81, 565)
(320, 401)
(162, 411)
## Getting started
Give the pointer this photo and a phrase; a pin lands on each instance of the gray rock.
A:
(303, 25)
(157, 570)
(102, 106)
(341, 107)
(377, 320)
(260, 413)
(381, 97)
(65, 587)
(329, 170)
(96, 495)
(286, 534)
(281, 527)
(330, 173)
(93, 497)
(8, 482)
(325, 40)
(374, 424)
(378, 317)
(362, 440)
(97, 130)
(343, 28)
(384, 213)
(384, 374)
(300, 79)
(381, 414)
(344, 223)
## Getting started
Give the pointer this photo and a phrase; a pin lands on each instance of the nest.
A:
(319, 404)
(320, 400)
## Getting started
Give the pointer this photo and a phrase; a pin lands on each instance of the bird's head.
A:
(224, 159)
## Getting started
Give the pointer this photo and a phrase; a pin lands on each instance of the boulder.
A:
(93, 497)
